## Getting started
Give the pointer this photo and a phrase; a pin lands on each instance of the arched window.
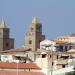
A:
(30, 41)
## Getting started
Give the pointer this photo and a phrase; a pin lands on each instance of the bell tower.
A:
(5, 41)
(34, 36)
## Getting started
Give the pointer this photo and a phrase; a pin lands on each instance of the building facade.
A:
(64, 46)
(34, 36)
(6, 42)
(48, 45)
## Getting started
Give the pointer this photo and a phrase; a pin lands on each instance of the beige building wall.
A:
(42, 62)
(46, 63)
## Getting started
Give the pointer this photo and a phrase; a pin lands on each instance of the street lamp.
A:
(48, 47)
(51, 62)
(52, 48)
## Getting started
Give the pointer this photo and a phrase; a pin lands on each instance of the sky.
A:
(57, 17)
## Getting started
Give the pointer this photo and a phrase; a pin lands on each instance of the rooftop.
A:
(8, 72)
(21, 49)
(6, 65)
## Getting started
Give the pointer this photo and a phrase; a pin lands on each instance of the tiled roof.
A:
(8, 72)
(64, 43)
(53, 52)
(20, 65)
(72, 35)
(72, 50)
(15, 50)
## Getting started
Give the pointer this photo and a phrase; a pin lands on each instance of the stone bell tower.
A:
(6, 42)
(34, 36)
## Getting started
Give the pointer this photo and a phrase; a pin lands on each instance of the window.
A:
(5, 56)
(70, 47)
(61, 47)
(44, 56)
(30, 41)
(32, 29)
(57, 56)
(0, 33)
(7, 44)
(38, 28)
(63, 66)
(39, 41)
(50, 56)
(65, 48)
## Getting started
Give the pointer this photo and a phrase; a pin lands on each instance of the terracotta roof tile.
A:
(64, 43)
(15, 50)
(8, 72)
(20, 65)
(72, 35)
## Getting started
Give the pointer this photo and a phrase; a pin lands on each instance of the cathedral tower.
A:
(34, 35)
(5, 42)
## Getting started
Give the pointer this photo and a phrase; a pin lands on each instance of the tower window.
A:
(0, 33)
(30, 41)
(32, 29)
(7, 44)
(39, 41)
(38, 28)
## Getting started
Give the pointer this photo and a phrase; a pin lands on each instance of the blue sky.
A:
(57, 17)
